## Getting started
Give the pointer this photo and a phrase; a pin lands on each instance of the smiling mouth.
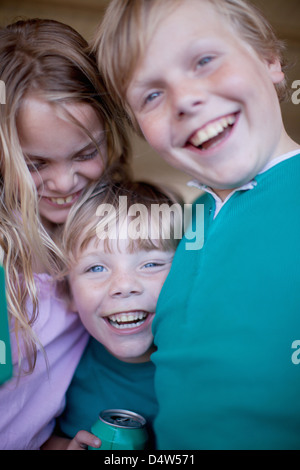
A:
(213, 133)
(127, 320)
(62, 201)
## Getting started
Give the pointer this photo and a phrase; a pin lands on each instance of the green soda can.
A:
(120, 430)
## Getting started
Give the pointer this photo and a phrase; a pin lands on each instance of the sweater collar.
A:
(245, 187)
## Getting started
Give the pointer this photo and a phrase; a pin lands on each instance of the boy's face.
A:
(116, 294)
(204, 99)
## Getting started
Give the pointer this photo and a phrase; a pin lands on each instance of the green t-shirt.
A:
(102, 382)
(227, 323)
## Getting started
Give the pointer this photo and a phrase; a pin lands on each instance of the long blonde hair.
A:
(51, 59)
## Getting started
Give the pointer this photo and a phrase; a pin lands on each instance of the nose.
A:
(125, 285)
(187, 97)
(62, 180)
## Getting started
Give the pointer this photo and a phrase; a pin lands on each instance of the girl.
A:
(58, 134)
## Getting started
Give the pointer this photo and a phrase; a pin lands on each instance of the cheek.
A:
(95, 169)
(37, 179)
(155, 289)
(82, 297)
(233, 83)
(86, 312)
(246, 82)
(154, 131)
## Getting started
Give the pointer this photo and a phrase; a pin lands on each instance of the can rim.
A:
(141, 421)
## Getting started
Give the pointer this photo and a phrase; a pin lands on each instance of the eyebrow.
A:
(207, 44)
(92, 254)
(142, 84)
(98, 140)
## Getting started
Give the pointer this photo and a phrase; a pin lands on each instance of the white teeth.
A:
(231, 119)
(212, 130)
(127, 320)
(60, 200)
(124, 326)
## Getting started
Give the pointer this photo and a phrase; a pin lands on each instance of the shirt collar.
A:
(245, 187)
(218, 201)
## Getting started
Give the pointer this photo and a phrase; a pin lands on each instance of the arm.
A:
(81, 441)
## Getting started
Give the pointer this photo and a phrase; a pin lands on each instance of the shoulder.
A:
(55, 320)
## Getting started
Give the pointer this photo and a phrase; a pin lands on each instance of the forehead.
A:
(116, 247)
(156, 13)
(106, 245)
(110, 237)
(192, 19)
(177, 32)
(40, 124)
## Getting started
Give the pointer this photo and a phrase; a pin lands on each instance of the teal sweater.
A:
(227, 318)
(103, 382)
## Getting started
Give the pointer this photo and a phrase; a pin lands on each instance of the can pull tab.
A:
(120, 420)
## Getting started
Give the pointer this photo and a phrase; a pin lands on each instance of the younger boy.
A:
(120, 241)
(199, 78)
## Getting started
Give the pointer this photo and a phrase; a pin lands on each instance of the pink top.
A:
(28, 408)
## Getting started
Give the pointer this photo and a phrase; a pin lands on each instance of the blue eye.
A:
(152, 265)
(149, 265)
(97, 269)
(152, 96)
(205, 60)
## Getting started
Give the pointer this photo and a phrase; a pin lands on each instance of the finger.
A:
(82, 440)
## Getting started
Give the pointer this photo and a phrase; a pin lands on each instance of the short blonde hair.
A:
(85, 223)
(127, 26)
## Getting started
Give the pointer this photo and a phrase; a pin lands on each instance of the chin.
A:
(132, 355)
(55, 220)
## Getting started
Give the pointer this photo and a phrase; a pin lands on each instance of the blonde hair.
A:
(128, 25)
(86, 223)
(51, 59)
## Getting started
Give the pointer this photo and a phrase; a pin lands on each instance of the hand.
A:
(82, 440)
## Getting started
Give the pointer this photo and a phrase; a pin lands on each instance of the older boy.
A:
(199, 79)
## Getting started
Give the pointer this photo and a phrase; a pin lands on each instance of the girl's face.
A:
(61, 157)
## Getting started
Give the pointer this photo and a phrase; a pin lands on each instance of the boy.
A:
(117, 264)
(199, 78)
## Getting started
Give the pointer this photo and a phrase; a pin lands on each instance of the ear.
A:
(275, 71)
